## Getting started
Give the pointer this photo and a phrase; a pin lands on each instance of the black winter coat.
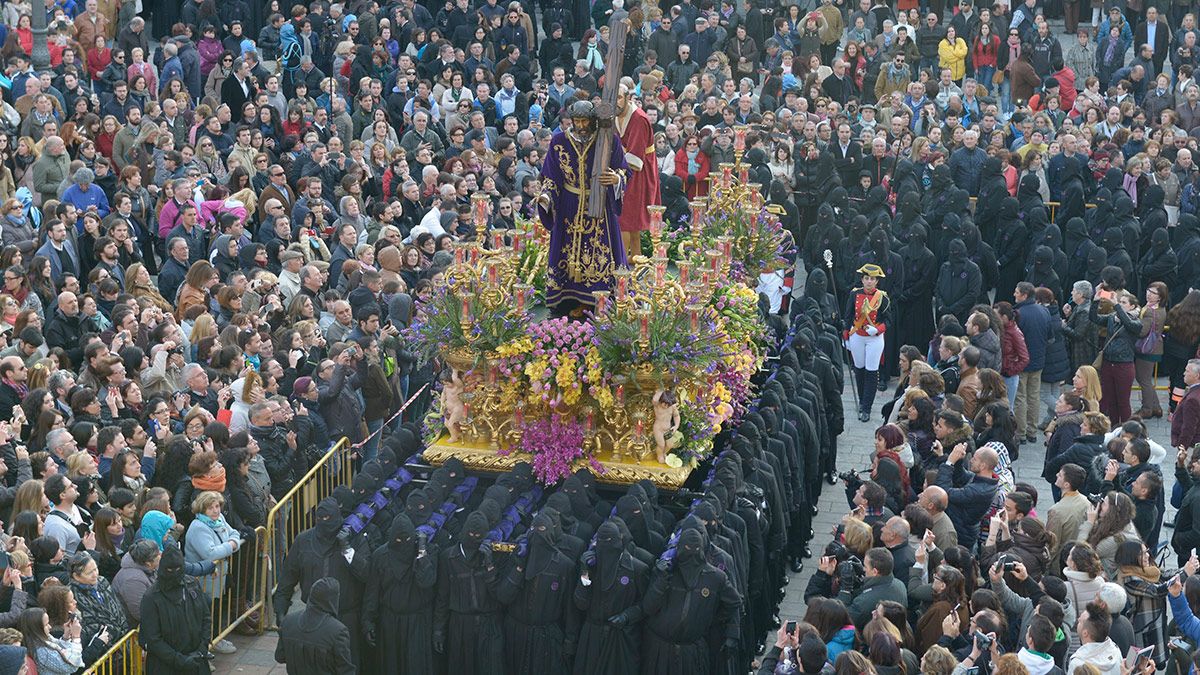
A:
(314, 641)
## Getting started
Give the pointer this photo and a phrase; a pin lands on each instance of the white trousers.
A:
(866, 350)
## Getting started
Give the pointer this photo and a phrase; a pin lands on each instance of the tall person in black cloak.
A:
(825, 236)
(982, 254)
(540, 626)
(908, 214)
(958, 283)
(1186, 240)
(914, 325)
(1012, 244)
(992, 190)
(1077, 244)
(466, 616)
(316, 553)
(315, 640)
(686, 600)
(611, 585)
(176, 620)
(398, 610)
(1159, 263)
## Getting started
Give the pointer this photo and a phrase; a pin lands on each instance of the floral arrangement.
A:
(760, 242)
(737, 311)
(556, 442)
(535, 251)
(697, 426)
(673, 343)
(554, 362)
(437, 325)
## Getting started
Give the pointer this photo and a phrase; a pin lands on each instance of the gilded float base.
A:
(617, 472)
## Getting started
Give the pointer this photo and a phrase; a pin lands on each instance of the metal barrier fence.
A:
(125, 658)
(236, 587)
(242, 584)
(295, 513)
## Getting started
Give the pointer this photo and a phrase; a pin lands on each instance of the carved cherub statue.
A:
(666, 422)
(454, 411)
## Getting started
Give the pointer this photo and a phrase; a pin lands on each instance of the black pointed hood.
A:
(323, 600)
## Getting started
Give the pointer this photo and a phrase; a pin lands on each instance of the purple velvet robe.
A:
(584, 252)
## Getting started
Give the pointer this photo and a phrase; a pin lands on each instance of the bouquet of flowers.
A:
(438, 325)
(555, 442)
(672, 342)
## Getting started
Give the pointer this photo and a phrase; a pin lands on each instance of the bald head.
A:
(934, 499)
(985, 460)
(895, 531)
(68, 304)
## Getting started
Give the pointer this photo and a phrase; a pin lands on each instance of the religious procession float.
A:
(635, 389)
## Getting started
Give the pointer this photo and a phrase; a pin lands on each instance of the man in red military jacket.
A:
(642, 189)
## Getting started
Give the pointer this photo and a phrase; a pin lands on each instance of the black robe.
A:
(618, 582)
(314, 640)
(682, 609)
(540, 626)
(398, 605)
(982, 254)
(958, 283)
(914, 326)
(176, 620)
(992, 191)
(468, 612)
(1012, 244)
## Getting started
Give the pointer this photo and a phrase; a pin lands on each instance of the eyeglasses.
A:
(276, 175)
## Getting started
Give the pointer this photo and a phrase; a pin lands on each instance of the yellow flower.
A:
(604, 397)
(522, 345)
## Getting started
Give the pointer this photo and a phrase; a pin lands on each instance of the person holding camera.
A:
(878, 584)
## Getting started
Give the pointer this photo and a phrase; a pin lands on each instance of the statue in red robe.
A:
(641, 190)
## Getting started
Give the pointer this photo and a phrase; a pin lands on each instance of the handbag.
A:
(1151, 342)
(998, 78)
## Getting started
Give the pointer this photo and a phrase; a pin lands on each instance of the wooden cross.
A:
(606, 112)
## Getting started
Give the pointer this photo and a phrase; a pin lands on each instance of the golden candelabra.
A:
(485, 280)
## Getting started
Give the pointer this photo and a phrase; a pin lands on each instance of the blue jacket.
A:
(56, 268)
(1034, 322)
(967, 165)
(843, 641)
(969, 496)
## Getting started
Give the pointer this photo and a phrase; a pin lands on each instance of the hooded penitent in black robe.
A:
(853, 253)
(1126, 219)
(1096, 262)
(958, 283)
(914, 325)
(1032, 209)
(540, 626)
(1012, 243)
(1154, 217)
(686, 600)
(904, 180)
(1186, 239)
(1114, 245)
(817, 302)
(467, 615)
(610, 637)
(936, 203)
(398, 607)
(1159, 263)
(992, 190)
(176, 620)
(315, 554)
(314, 640)
(908, 214)
(1076, 246)
(1100, 216)
(824, 235)
(984, 256)
(1042, 273)
(1051, 237)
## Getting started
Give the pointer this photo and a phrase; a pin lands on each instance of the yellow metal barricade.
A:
(294, 513)
(235, 587)
(125, 658)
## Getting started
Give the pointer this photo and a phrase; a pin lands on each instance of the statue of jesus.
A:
(584, 251)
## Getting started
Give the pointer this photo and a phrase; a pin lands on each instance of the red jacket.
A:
(1014, 356)
(1185, 423)
(700, 187)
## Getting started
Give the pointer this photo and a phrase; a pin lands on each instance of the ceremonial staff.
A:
(828, 255)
